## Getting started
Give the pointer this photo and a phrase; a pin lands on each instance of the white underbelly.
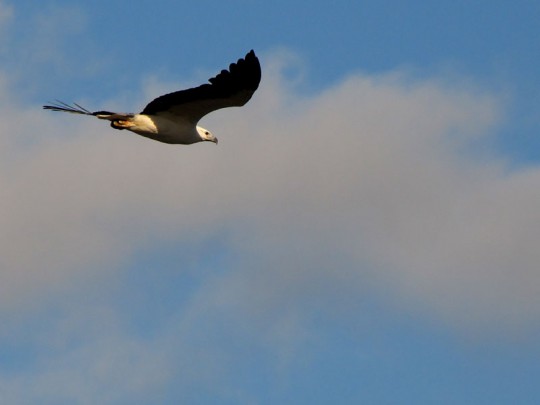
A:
(164, 130)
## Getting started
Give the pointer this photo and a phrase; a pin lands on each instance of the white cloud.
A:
(365, 183)
(368, 187)
(79, 363)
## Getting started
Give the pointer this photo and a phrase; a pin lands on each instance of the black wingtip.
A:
(246, 73)
(232, 87)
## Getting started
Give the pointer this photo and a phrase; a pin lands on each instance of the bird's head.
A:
(206, 135)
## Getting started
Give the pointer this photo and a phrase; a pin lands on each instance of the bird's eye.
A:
(207, 133)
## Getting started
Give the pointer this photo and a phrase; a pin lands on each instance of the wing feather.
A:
(230, 88)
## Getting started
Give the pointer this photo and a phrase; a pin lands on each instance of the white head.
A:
(206, 135)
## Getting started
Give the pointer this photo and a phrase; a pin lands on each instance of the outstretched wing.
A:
(230, 88)
(77, 109)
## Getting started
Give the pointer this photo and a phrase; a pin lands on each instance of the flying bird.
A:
(172, 118)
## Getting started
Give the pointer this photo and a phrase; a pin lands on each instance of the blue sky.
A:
(365, 232)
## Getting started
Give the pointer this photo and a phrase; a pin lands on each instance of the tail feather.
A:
(77, 109)
(61, 106)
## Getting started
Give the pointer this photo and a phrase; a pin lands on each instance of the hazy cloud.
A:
(368, 182)
(316, 207)
(372, 187)
(6, 12)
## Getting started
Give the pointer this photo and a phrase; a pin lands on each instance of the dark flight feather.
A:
(230, 88)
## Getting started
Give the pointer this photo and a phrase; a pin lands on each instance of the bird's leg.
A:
(121, 124)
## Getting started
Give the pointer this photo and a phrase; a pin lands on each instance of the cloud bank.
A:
(369, 182)
(372, 187)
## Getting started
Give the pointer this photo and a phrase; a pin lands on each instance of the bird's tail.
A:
(61, 106)
(77, 109)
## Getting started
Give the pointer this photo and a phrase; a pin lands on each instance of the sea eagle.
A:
(172, 118)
